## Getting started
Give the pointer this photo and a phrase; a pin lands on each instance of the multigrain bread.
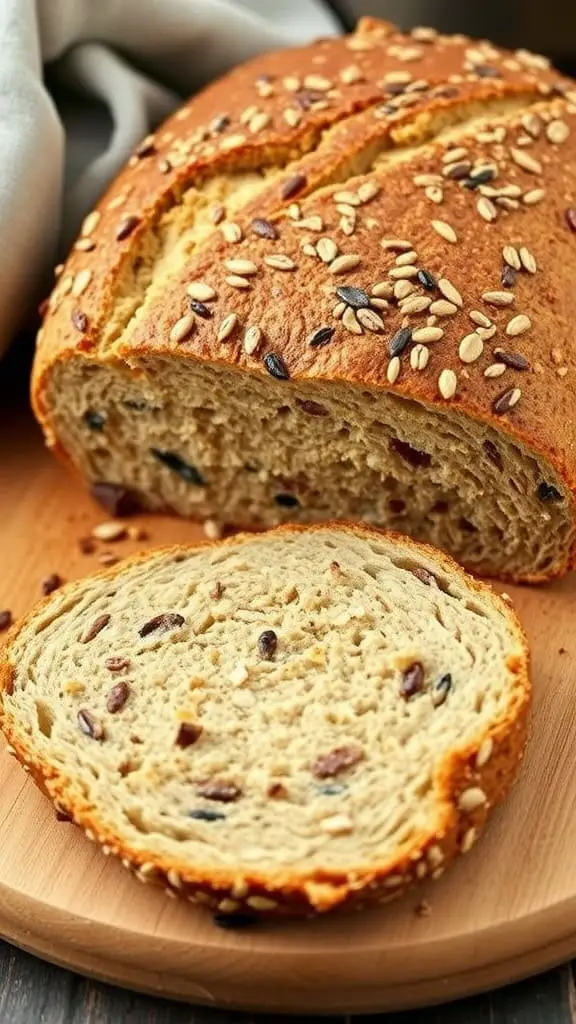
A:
(339, 282)
(289, 722)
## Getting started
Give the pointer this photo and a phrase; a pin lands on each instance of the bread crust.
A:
(353, 83)
(285, 892)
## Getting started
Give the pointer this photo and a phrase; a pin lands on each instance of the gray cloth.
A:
(134, 57)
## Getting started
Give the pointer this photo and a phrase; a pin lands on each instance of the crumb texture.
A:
(286, 705)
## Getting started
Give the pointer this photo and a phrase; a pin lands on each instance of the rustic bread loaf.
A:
(292, 721)
(337, 283)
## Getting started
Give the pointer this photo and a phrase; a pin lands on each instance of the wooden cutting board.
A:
(506, 910)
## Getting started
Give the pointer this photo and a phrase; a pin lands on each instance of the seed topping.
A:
(355, 297)
(342, 264)
(506, 401)
(126, 227)
(276, 366)
(201, 291)
(513, 359)
(471, 348)
(447, 384)
(446, 231)
(427, 280)
(79, 320)
(450, 292)
(182, 328)
(518, 325)
(400, 341)
(227, 327)
(321, 336)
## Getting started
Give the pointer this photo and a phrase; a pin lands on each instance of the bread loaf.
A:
(339, 282)
(287, 722)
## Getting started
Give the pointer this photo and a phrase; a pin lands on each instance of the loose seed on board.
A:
(252, 339)
(446, 231)
(109, 531)
(342, 264)
(182, 328)
(350, 322)
(321, 336)
(506, 401)
(276, 366)
(471, 348)
(447, 384)
(227, 327)
(450, 292)
(200, 291)
(518, 325)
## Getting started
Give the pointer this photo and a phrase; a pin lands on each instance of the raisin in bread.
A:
(287, 722)
(338, 283)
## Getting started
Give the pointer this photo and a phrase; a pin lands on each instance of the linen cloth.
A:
(115, 68)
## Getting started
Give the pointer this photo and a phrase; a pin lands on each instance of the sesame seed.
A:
(446, 231)
(236, 281)
(447, 383)
(371, 320)
(342, 264)
(528, 260)
(400, 341)
(415, 304)
(200, 291)
(506, 401)
(498, 298)
(347, 225)
(403, 273)
(534, 196)
(479, 318)
(486, 209)
(511, 257)
(350, 322)
(399, 244)
(471, 348)
(405, 258)
(326, 249)
(393, 370)
(441, 307)
(227, 327)
(427, 334)
(524, 160)
(449, 292)
(518, 325)
(182, 328)
(279, 261)
(382, 290)
(232, 232)
(252, 339)
(557, 132)
(419, 357)
(81, 282)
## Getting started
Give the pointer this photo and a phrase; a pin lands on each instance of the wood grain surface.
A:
(506, 910)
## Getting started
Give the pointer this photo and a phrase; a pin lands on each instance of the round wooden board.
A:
(506, 910)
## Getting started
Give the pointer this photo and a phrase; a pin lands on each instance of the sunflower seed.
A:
(200, 291)
(227, 327)
(524, 160)
(393, 370)
(252, 339)
(514, 360)
(279, 261)
(447, 383)
(498, 298)
(355, 297)
(326, 249)
(446, 231)
(506, 401)
(470, 348)
(276, 366)
(342, 264)
(182, 328)
(449, 292)
(320, 337)
(518, 325)
(427, 334)
(400, 341)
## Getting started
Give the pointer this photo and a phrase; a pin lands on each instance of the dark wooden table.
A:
(33, 992)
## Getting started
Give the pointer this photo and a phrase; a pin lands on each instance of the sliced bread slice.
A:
(289, 721)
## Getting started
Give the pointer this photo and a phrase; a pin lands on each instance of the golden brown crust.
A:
(488, 765)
